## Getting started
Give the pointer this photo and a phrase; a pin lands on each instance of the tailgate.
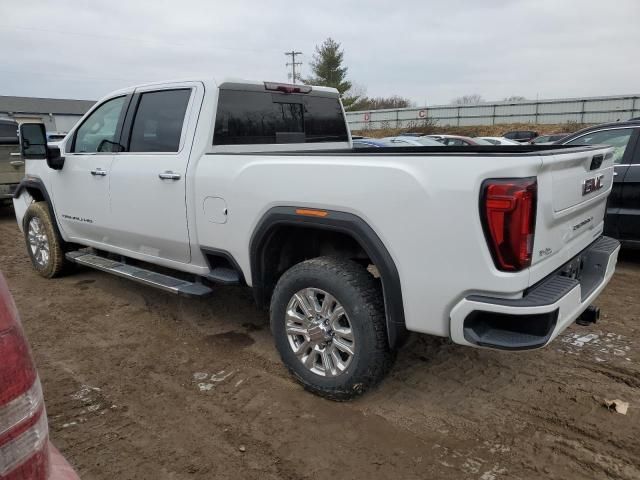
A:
(11, 164)
(573, 187)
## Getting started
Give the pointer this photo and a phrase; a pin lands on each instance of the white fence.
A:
(580, 110)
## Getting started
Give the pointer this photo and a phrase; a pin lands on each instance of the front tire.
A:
(43, 243)
(328, 323)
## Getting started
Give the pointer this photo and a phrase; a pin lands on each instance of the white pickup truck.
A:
(190, 185)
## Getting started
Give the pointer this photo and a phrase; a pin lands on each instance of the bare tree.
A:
(473, 99)
(377, 103)
(355, 94)
(357, 90)
(515, 98)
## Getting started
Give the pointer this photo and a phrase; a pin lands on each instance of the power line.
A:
(293, 64)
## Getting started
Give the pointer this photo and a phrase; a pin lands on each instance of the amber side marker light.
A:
(311, 213)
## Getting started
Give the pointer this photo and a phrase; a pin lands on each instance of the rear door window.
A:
(157, 126)
(250, 117)
(617, 138)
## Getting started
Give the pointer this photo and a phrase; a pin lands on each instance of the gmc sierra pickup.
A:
(189, 185)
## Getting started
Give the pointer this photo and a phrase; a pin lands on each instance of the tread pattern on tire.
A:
(57, 261)
(361, 281)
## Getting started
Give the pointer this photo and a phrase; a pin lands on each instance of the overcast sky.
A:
(428, 50)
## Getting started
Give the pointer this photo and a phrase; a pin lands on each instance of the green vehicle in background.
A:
(11, 163)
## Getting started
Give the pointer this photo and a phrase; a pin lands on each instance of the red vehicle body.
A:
(25, 450)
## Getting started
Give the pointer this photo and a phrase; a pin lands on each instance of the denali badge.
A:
(592, 184)
(582, 223)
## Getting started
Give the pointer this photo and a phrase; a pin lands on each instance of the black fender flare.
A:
(33, 183)
(348, 224)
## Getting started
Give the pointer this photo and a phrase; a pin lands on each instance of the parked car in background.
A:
(458, 140)
(498, 140)
(522, 136)
(363, 142)
(411, 134)
(402, 141)
(399, 141)
(25, 450)
(55, 136)
(11, 163)
(549, 138)
(623, 208)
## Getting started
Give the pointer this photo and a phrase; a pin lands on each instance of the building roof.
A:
(44, 105)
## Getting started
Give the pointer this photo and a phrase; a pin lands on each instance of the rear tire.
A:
(328, 323)
(44, 245)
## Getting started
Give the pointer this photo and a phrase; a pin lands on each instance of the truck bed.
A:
(471, 150)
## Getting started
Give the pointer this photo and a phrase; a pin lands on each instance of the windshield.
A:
(492, 141)
(428, 142)
(618, 138)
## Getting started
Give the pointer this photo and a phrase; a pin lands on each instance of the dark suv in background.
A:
(522, 136)
(11, 163)
(623, 209)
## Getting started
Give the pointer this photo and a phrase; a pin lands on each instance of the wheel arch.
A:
(38, 191)
(341, 223)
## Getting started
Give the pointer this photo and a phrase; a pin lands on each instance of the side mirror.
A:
(55, 160)
(33, 145)
(33, 141)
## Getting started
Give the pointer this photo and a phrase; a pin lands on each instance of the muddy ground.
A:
(140, 384)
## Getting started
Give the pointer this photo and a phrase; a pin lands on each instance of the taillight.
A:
(508, 209)
(23, 420)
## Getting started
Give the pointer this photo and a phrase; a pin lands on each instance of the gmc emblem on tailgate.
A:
(592, 184)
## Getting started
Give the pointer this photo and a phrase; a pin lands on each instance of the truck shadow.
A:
(630, 255)
(6, 212)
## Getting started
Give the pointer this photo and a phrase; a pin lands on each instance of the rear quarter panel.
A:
(424, 209)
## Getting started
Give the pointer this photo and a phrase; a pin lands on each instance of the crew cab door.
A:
(81, 187)
(148, 178)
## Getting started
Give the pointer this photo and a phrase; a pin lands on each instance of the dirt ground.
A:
(140, 384)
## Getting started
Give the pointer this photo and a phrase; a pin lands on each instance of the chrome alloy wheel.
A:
(319, 332)
(38, 242)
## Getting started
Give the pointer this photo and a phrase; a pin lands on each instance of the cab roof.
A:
(213, 83)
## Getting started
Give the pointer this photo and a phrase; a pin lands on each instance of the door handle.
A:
(169, 175)
(98, 172)
(17, 163)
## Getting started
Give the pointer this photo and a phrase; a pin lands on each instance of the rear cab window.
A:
(255, 115)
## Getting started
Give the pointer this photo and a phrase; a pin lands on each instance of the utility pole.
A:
(293, 64)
